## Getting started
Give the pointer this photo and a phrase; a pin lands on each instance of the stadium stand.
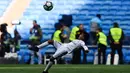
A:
(82, 12)
(3, 5)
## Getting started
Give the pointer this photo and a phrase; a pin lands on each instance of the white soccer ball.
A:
(48, 6)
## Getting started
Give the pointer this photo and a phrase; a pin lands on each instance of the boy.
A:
(63, 49)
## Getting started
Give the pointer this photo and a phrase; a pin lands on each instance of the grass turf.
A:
(65, 69)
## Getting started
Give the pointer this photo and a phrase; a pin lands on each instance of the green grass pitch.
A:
(65, 69)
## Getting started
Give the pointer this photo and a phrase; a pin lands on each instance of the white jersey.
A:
(75, 44)
(69, 47)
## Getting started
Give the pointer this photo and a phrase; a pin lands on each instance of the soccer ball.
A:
(48, 6)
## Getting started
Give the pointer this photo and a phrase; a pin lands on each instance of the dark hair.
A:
(4, 24)
(58, 26)
(3, 27)
(98, 15)
(115, 24)
(61, 21)
(35, 21)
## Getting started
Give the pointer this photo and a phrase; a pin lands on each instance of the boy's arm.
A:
(85, 47)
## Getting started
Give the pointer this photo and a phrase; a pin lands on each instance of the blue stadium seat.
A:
(127, 52)
(24, 55)
(108, 51)
(127, 59)
(90, 59)
(3, 5)
(49, 48)
(91, 53)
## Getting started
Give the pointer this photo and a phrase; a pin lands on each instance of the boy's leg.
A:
(60, 52)
(45, 43)
(49, 65)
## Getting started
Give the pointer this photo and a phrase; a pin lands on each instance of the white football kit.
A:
(68, 48)
(57, 44)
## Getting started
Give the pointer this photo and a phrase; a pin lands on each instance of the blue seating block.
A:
(90, 59)
(24, 55)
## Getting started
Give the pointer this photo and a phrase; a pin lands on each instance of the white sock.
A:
(48, 66)
(43, 44)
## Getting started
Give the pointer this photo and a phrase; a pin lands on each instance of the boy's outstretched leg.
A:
(45, 44)
(49, 65)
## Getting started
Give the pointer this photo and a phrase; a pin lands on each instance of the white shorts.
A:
(62, 50)
(57, 44)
